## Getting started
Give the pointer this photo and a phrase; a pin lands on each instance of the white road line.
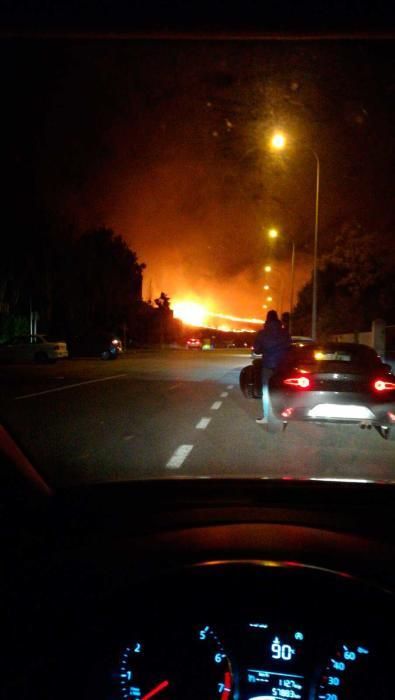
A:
(224, 395)
(216, 405)
(179, 456)
(203, 423)
(230, 386)
(69, 386)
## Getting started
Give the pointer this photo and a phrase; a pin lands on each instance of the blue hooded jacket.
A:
(272, 342)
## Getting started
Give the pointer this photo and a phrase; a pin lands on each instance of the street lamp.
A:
(278, 142)
(291, 303)
(279, 291)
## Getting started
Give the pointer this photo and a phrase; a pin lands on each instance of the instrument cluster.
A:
(257, 660)
(253, 633)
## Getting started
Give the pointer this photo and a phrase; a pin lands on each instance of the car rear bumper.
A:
(331, 407)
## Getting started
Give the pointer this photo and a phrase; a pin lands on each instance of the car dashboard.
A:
(227, 590)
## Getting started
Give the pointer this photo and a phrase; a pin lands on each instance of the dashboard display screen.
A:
(274, 662)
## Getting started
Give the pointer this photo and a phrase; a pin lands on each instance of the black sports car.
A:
(328, 382)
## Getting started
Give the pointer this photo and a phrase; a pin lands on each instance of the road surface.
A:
(166, 414)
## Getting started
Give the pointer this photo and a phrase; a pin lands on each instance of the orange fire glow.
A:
(190, 312)
(194, 313)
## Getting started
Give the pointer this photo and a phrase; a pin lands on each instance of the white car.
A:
(32, 348)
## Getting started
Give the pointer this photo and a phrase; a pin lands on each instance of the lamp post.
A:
(317, 194)
(273, 233)
(278, 290)
(278, 142)
(291, 301)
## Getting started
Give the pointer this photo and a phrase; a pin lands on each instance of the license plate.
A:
(330, 410)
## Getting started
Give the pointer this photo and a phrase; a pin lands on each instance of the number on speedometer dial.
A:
(346, 675)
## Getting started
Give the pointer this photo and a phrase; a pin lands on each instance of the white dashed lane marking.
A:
(181, 453)
(69, 386)
(179, 456)
(203, 423)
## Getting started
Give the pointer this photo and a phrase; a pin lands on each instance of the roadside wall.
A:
(365, 338)
(380, 337)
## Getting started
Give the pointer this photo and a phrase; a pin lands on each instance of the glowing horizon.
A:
(229, 317)
(194, 313)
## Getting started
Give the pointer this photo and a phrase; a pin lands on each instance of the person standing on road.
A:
(272, 342)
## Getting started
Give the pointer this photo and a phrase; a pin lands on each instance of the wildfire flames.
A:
(194, 313)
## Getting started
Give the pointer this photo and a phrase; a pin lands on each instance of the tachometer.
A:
(166, 664)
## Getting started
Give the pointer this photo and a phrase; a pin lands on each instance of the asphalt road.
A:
(169, 413)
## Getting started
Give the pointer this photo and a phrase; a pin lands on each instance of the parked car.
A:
(208, 344)
(301, 340)
(33, 348)
(106, 346)
(193, 344)
(328, 383)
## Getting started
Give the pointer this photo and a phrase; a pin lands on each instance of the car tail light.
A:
(383, 385)
(299, 382)
(287, 412)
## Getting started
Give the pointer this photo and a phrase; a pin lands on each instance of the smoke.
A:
(148, 140)
(198, 243)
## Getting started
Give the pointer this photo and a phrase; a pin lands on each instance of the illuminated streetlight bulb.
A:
(273, 233)
(268, 268)
(278, 141)
(269, 298)
(266, 287)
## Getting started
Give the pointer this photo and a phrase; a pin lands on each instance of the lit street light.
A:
(279, 291)
(278, 142)
(291, 303)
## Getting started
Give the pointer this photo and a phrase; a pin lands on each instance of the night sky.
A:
(166, 142)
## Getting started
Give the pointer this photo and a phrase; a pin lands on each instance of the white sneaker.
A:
(261, 421)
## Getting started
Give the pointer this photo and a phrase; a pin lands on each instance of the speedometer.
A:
(164, 664)
(347, 675)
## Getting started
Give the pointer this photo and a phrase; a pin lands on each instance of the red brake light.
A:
(382, 385)
(301, 382)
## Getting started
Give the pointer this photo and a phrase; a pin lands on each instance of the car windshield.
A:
(319, 355)
(160, 197)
